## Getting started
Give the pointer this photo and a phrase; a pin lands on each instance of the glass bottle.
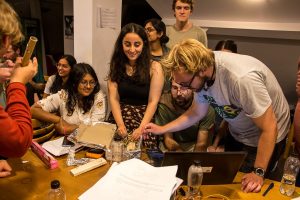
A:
(291, 169)
(195, 176)
(56, 192)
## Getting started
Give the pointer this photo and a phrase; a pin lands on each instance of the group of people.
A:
(163, 75)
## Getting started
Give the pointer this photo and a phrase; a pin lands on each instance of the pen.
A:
(268, 189)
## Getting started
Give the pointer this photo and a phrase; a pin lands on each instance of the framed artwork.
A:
(69, 27)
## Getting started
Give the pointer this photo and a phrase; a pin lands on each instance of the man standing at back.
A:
(184, 28)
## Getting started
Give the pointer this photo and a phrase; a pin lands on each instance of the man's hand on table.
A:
(5, 169)
(252, 182)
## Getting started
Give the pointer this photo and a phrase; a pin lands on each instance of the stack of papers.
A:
(135, 180)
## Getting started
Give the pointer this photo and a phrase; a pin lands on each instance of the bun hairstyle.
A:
(160, 27)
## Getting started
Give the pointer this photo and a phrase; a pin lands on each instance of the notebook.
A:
(218, 167)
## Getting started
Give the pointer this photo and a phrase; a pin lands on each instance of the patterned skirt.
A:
(132, 116)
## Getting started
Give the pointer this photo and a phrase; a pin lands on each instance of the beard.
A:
(182, 102)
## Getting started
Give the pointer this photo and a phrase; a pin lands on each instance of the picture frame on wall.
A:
(69, 27)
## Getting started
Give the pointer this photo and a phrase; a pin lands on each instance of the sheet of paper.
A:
(132, 180)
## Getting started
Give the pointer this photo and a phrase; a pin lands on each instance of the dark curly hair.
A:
(58, 82)
(119, 59)
(76, 75)
(160, 27)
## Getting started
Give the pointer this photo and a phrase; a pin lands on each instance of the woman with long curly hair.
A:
(81, 101)
(134, 83)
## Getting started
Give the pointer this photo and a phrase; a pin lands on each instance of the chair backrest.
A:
(42, 131)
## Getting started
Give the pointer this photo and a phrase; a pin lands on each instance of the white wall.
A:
(104, 39)
(92, 44)
(68, 43)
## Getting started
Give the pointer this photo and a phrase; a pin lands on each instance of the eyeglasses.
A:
(86, 83)
(182, 90)
(186, 86)
(65, 66)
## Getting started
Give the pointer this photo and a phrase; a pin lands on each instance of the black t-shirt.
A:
(132, 92)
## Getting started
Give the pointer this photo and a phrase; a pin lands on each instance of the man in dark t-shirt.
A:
(171, 106)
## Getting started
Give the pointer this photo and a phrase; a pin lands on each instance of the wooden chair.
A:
(42, 131)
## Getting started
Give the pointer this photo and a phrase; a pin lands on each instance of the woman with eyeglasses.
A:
(57, 81)
(81, 101)
(135, 83)
(156, 32)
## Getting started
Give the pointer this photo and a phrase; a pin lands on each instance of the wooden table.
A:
(31, 180)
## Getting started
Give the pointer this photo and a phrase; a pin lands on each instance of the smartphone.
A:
(67, 143)
(96, 151)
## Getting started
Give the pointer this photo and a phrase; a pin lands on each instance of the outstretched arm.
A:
(156, 86)
(195, 113)
(114, 100)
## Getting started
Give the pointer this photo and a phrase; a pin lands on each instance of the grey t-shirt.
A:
(194, 33)
(243, 89)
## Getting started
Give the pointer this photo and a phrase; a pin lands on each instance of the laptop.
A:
(218, 167)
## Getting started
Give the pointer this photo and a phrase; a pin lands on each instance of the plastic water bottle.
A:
(56, 192)
(117, 148)
(291, 169)
(195, 176)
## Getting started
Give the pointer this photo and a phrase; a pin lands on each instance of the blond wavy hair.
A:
(190, 54)
(9, 23)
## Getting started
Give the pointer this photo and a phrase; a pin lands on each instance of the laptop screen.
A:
(218, 167)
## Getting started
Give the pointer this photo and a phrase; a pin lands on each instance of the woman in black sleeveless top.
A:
(134, 83)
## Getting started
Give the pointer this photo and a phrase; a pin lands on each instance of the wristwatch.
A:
(259, 171)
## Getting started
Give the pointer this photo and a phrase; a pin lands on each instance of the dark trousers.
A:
(232, 145)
